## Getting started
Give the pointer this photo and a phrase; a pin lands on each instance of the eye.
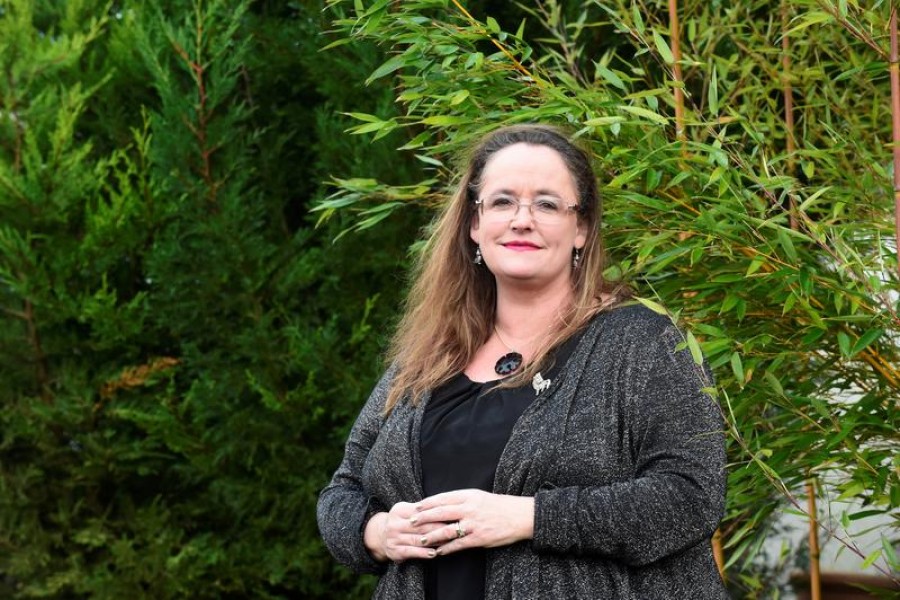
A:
(547, 205)
(501, 203)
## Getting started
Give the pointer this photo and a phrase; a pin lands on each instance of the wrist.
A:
(372, 536)
(525, 521)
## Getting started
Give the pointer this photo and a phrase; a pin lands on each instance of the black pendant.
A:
(508, 363)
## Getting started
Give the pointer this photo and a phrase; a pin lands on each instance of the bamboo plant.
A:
(742, 187)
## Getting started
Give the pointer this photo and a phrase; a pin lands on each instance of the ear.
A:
(581, 232)
(473, 229)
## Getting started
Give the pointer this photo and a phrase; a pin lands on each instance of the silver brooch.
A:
(539, 383)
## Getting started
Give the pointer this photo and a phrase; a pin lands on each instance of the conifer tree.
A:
(181, 348)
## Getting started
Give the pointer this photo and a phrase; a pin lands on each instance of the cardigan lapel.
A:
(415, 448)
(537, 435)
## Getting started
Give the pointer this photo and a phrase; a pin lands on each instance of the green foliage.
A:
(183, 347)
(180, 350)
(799, 321)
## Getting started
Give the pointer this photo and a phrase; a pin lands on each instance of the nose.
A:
(523, 217)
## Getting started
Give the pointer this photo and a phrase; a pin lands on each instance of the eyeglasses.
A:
(547, 210)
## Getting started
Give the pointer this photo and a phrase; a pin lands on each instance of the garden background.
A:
(207, 210)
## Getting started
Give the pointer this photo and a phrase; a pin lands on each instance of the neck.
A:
(523, 316)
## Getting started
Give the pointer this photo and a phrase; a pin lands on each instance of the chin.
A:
(515, 273)
(525, 278)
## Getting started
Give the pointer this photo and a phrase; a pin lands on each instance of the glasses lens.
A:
(544, 209)
(547, 207)
(501, 205)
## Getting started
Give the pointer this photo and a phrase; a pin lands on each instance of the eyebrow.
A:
(540, 192)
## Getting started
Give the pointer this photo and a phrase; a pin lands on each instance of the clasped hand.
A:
(449, 522)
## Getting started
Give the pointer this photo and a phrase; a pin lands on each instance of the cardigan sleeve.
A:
(677, 494)
(344, 505)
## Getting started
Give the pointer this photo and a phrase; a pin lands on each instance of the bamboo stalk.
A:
(788, 91)
(815, 579)
(895, 112)
(719, 553)
(675, 33)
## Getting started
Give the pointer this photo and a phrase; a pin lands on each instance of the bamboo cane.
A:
(675, 32)
(815, 579)
(788, 91)
(680, 134)
(895, 112)
(719, 553)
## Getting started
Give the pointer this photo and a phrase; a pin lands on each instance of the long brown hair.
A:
(450, 309)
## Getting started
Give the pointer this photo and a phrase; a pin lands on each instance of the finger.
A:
(445, 534)
(450, 547)
(403, 509)
(426, 528)
(440, 514)
(411, 552)
(454, 497)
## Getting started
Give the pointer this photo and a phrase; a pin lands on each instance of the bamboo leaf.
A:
(812, 199)
(814, 17)
(655, 307)
(389, 66)
(713, 94)
(459, 97)
(844, 343)
(870, 559)
(864, 340)
(429, 160)
(520, 32)
(820, 407)
(737, 367)
(369, 127)
(889, 553)
(663, 48)
(444, 120)
(784, 239)
(754, 266)
(363, 117)
(774, 382)
(647, 114)
(604, 121)
(694, 347)
(638, 18)
(610, 77)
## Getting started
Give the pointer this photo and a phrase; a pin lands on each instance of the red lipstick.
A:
(520, 245)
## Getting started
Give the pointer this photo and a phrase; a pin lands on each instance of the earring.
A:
(478, 260)
(576, 257)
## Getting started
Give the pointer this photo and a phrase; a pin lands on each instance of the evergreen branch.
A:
(18, 314)
(200, 131)
(43, 370)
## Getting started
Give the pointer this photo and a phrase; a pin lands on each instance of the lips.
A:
(521, 246)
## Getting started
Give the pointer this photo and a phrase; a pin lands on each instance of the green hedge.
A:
(181, 350)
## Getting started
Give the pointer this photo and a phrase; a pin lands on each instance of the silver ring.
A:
(460, 530)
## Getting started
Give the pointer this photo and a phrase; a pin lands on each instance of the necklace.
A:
(510, 362)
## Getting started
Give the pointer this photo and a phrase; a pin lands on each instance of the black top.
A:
(464, 430)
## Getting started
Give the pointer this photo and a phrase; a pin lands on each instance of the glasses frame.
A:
(480, 203)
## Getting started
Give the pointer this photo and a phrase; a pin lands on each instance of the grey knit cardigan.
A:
(623, 453)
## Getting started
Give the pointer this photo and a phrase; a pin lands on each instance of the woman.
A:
(536, 436)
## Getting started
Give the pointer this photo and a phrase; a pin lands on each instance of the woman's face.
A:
(523, 247)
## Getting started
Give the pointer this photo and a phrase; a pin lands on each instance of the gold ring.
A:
(460, 530)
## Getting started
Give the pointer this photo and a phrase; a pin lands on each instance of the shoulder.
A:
(633, 338)
(633, 320)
